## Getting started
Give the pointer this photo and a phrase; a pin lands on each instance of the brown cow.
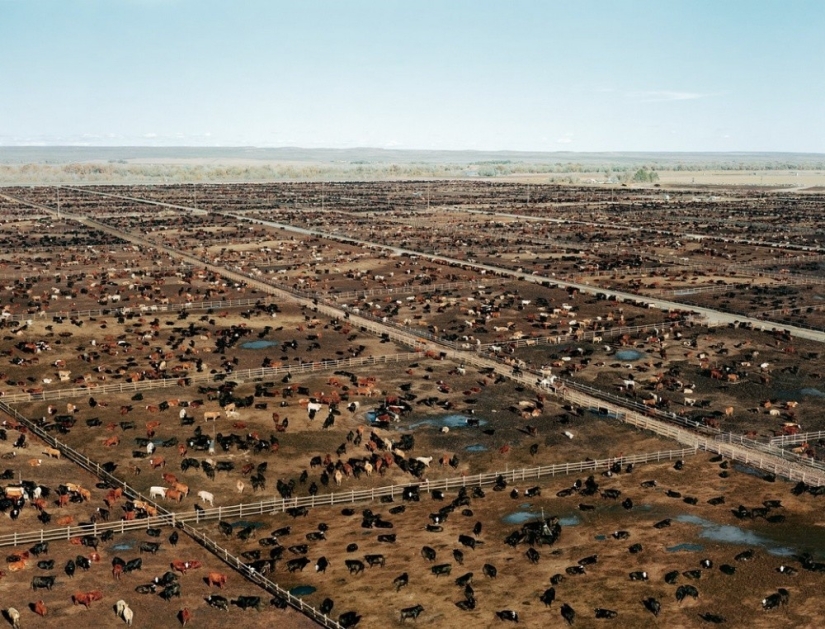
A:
(157, 462)
(117, 570)
(39, 608)
(169, 478)
(216, 578)
(180, 566)
(184, 616)
(174, 494)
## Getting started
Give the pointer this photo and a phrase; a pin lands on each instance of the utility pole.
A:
(58, 202)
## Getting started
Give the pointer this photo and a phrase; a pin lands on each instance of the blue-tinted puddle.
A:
(750, 471)
(734, 535)
(600, 538)
(124, 546)
(302, 590)
(450, 421)
(476, 447)
(244, 524)
(798, 394)
(692, 548)
(629, 355)
(525, 505)
(521, 517)
(603, 412)
(258, 344)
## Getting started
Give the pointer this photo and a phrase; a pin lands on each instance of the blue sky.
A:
(579, 75)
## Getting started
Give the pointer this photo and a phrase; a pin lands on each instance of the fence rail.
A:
(165, 518)
(802, 437)
(278, 505)
(405, 290)
(237, 376)
(585, 335)
(142, 309)
(258, 579)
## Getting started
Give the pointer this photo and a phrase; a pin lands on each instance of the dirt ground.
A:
(606, 584)
(622, 236)
(150, 610)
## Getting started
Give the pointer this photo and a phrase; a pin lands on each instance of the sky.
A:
(532, 75)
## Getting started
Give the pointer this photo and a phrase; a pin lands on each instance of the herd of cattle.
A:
(380, 452)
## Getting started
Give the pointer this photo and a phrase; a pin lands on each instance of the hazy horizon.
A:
(527, 75)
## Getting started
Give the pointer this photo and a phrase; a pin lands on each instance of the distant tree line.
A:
(120, 171)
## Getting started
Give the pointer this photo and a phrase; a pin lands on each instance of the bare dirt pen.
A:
(150, 609)
(519, 583)
(650, 241)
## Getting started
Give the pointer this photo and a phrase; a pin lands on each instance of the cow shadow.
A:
(7, 617)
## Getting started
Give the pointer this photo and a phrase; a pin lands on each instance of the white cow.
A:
(14, 617)
(128, 615)
(426, 460)
(157, 492)
(206, 496)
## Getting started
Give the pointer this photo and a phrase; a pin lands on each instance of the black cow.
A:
(218, 602)
(374, 560)
(133, 564)
(167, 579)
(149, 547)
(568, 613)
(400, 581)
(464, 580)
(39, 549)
(389, 539)
(247, 602)
(354, 565)
(652, 605)
(443, 568)
(349, 619)
(638, 576)
(507, 614)
(43, 582)
(326, 606)
(489, 570)
(714, 618)
(608, 614)
(321, 564)
(411, 612)
(548, 597)
(684, 591)
(46, 565)
(428, 553)
(150, 588)
(466, 540)
(169, 591)
(298, 564)
(70, 567)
